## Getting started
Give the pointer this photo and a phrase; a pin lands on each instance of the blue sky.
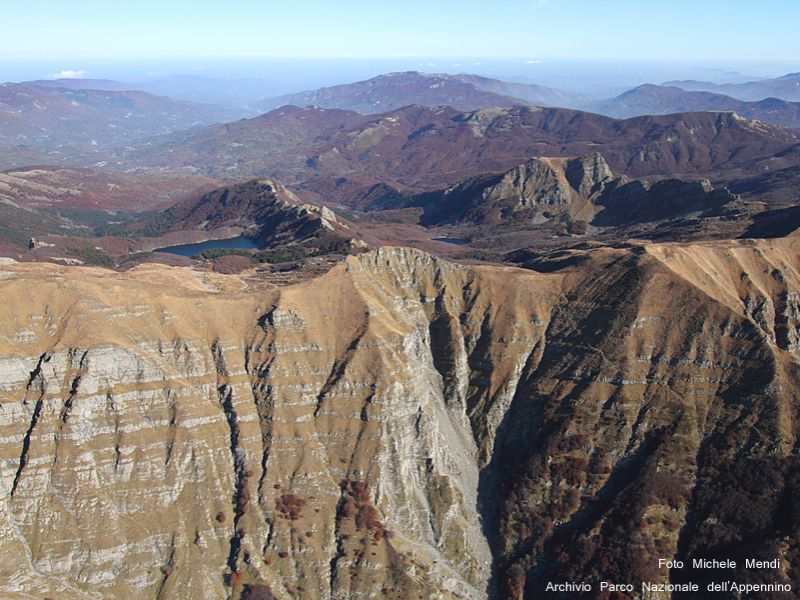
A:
(571, 29)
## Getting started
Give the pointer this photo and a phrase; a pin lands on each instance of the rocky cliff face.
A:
(550, 181)
(581, 189)
(262, 209)
(518, 194)
(401, 427)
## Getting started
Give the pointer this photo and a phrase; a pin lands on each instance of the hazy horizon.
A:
(286, 75)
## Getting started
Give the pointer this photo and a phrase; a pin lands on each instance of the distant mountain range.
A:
(106, 85)
(473, 92)
(422, 148)
(72, 123)
(786, 87)
(83, 122)
(395, 90)
(237, 94)
(401, 159)
(661, 99)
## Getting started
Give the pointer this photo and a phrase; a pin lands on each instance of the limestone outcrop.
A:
(401, 427)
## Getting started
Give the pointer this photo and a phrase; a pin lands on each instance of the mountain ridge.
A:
(57, 125)
(651, 99)
(391, 91)
(425, 147)
(785, 87)
(261, 209)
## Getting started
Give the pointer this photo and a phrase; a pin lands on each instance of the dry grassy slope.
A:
(162, 429)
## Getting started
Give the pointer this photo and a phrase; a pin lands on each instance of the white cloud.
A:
(67, 74)
(533, 61)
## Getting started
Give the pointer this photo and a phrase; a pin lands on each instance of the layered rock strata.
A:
(401, 427)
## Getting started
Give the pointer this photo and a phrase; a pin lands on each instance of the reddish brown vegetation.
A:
(515, 581)
(230, 265)
(290, 506)
(356, 504)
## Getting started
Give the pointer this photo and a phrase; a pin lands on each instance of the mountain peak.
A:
(409, 74)
(586, 173)
(390, 91)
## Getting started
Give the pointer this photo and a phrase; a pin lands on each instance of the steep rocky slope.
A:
(536, 183)
(577, 196)
(401, 427)
(262, 209)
